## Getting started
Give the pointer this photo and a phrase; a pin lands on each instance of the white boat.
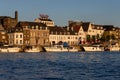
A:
(9, 49)
(93, 48)
(14, 49)
(60, 48)
(32, 49)
(114, 47)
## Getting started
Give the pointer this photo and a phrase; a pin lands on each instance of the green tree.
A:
(93, 38)
(107, 38)
(112, 36)
(88, 38)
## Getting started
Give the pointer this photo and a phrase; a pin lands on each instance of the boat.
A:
(114, 47)
(14, 49)
(9, 49)
(32, 49)
(60, 48)
(93, 48)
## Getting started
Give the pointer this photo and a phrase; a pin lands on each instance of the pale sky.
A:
(60, 11)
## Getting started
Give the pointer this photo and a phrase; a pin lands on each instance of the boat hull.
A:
(90, 48)
(54, 49)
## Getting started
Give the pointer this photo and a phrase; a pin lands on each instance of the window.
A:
(16, 41)
(16, 36)
(21, 36)
(3, 37)
(2, 32)
(68, 37)
(20, 41)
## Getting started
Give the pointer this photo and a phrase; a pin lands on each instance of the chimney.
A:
(16, 16)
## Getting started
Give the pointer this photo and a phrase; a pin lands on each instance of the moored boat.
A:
(32, 49)
(114, 47)
(9, 49)
(60, 48)
(93, 48)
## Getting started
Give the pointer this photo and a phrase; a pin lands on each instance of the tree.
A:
(93, 38)
(103, 39)
(88, 38)
(112, 36)
(107, 38)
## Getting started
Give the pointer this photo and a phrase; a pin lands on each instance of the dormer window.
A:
(32, 27)
(60, 33)
(97, 27)
(36, 27)
(56, 33)
(64, 33)
(51, 32)
(68, 33)
(113, 29)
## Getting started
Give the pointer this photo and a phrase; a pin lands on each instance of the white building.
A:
(45, 19)
(15, 37)
(85, 30)
(60, 34)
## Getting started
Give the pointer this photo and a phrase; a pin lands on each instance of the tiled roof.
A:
(16, 29)
(25, 23)
(108, 27)
(60, 31)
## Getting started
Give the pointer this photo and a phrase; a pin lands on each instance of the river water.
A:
(60, 66)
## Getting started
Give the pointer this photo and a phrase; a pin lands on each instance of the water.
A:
(60, 66)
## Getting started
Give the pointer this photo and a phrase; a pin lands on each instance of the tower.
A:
(16, 16)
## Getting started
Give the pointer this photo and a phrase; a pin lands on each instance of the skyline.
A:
(104, 12)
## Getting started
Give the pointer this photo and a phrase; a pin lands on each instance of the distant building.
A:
(87, 31)
(45, 19)
(3, 36)
(34, 33)
(61, 35)
(7, 21)
(15, 37)
(110, 32)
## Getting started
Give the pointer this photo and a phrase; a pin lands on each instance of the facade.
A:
(8, 22)
(61, 35)
(45, 19)
(110, 32)
(15, 37)
(77, 27)
(95, 32)
(87, 31)
(3, 36)
(34, 33)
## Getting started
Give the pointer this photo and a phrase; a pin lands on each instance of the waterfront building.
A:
(109, 32)
(62, 34)
(34, 33)
(15, 36)
(45, 19)
(94, 31)
(3, 36)
(76, 26)
(9, 22)
(87, 31)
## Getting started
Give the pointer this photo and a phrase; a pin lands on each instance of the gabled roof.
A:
(85, 26)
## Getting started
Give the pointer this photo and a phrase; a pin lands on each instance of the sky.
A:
(105, 12)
